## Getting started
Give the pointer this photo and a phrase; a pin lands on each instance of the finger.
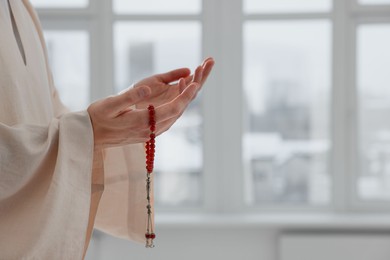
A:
(115, 105)
(196, 77)
(207, 60)
(207, 67)
(189, 79)
(176, 107)
(182, 85)
(198, 74)
(174, 75)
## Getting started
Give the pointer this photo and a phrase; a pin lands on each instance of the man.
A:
(55, 164)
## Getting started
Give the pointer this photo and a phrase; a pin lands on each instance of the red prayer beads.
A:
(150, 145)
(150, 150)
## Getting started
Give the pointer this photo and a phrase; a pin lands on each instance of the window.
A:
(60, 3)
(374, 2)
(70, 68)
(373, 57)
(157, 7)
(293, 117)
(284, 6)
(286, 93)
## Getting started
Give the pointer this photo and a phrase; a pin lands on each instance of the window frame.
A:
(222, 21)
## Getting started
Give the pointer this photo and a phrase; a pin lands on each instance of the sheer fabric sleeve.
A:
(45, 188)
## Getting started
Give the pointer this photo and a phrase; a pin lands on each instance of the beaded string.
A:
(150, 149)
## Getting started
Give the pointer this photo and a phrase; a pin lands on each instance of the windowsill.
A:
(276, 221)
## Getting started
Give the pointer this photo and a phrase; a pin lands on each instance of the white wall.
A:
(191, 244)
(248, 243)
(360, 246)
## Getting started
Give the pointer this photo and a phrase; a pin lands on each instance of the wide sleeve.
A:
(121, 209)
(45, 188)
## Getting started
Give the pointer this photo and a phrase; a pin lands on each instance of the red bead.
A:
(152, 128)
(152, 136)
(150, 236)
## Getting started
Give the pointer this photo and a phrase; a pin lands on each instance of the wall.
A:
(218, 240)
(190, 244)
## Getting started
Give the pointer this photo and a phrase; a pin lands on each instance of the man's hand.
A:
(124, 119)
(164, 91)
(115, 123)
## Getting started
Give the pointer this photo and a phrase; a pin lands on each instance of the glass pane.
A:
(60, 3)
(69, 60)
(373, 79)
(146, 48)
(282, 6)
(374, 2)
(157, 6)
(287, 92)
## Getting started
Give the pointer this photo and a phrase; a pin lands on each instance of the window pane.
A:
(143, 49)
(374, 2)
(69, 60)
(287, 91)
(373, 79)
(157, 6)
(60, 3)
(267, 6)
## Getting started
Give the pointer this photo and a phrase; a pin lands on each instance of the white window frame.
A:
(222, 37)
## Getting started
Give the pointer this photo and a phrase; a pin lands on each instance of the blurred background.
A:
(285, 155)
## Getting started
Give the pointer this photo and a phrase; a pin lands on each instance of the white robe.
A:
(51, 178)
